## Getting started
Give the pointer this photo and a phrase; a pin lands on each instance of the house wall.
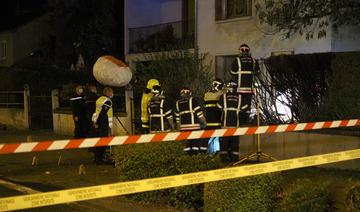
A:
(30, 37)
(8, 38)
(224, 37)
(139, 13)
(345, 39)
(14, 118)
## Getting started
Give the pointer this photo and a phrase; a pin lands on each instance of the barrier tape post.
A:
(10, 148)
(122, 188)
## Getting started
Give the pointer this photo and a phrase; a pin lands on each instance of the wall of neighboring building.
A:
(30, 37)
(7, 37)
(345, 39)
(141, 13)
(224, 37)
(14, 118)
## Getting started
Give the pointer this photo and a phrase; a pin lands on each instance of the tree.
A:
(309, 17)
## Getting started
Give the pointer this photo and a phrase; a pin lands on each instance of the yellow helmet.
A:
(151, 83)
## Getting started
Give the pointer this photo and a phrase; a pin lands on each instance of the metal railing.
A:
(162, 37)
(11, 99)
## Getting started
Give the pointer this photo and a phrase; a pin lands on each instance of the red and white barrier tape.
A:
(170, 136)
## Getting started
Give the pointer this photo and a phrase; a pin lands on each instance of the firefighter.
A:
(146, 97)
(78, 111)
(231, 105)
(103, 121)
(90, 104)
(189, 117)
(242, 72)
(160, 113)
(212, 112)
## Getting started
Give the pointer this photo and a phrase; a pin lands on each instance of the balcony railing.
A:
(162, 37)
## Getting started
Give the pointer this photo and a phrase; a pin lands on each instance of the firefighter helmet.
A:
(217, 85)
(185, 91)
(231, 86)
(244, 48)
(151, 83)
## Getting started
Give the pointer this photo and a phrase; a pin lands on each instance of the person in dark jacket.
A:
(189, 117)
(231, 106)
(78, 112)
(103, 121)
(160, 113)
(90, 104)
(242, 72)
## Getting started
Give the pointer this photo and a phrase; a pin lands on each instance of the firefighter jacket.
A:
(242, 70)
(145, 99)
(78, 107)
(212, 112)
(188, 113)
(103, 115)
(230, 104)
(159, 114)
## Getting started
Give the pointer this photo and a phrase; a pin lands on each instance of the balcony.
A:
(162, 37)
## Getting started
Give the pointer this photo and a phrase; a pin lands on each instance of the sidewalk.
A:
(48, 176)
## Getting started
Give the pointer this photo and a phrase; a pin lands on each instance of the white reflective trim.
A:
(195, 148)
(25, 147)
(203, 148)
(75, 98)
(186, 149)
(235, 153)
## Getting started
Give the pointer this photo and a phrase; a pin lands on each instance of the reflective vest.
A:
(212, 112)
(188, 111)
(146, 97)
(103, 115)
(230, 104)
(159, 113)
(242, 73)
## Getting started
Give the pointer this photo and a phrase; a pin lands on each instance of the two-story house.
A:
(218, 27)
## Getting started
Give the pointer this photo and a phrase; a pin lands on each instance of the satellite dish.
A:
(111, 71)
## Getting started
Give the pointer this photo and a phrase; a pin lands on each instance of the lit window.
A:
(229, 9)
(3, 50)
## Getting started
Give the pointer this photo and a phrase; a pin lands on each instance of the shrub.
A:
(353, 198)
(254, 193)
(307, 196)
(144, 161)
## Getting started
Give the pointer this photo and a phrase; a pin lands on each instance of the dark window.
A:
(228, 9)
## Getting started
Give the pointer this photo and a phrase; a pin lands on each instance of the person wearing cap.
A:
(78, 112)
(231, 106)
(242, 73)
(190, 117)
(145, 99)
(160, 113)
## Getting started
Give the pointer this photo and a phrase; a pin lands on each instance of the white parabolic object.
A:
(111, 71)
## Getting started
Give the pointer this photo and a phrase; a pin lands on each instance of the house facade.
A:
(218, 27)
(20, 42)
